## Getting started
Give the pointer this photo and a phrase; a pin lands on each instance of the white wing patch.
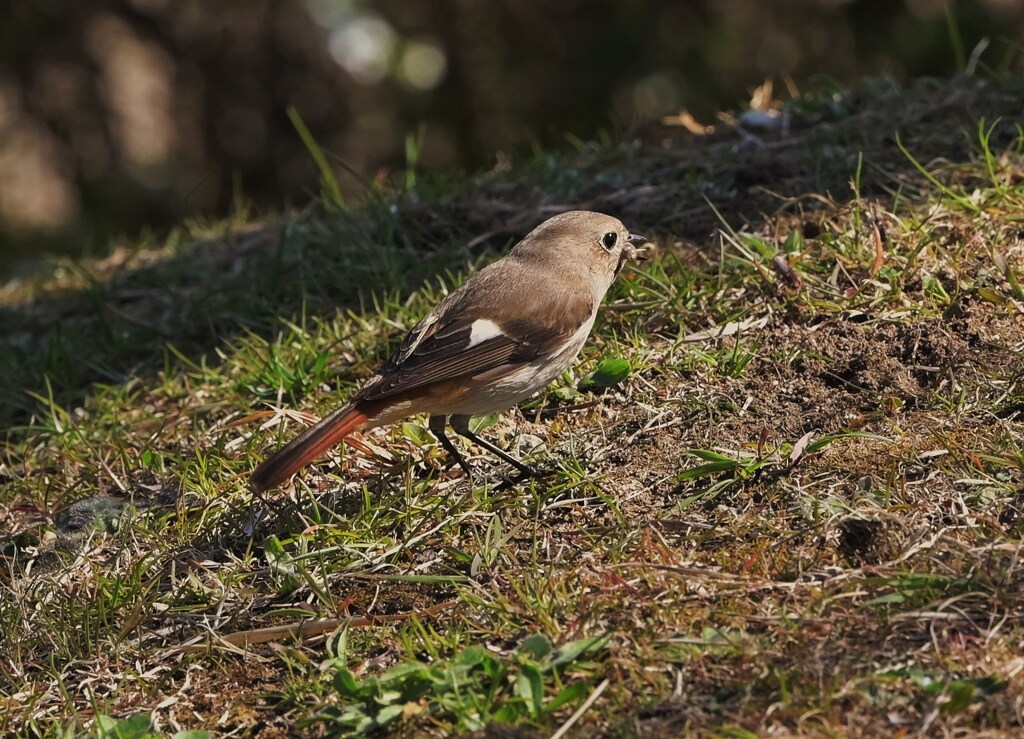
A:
(481, 330)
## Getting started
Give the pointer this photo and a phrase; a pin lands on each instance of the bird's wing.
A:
(468, 337)
(443, 351)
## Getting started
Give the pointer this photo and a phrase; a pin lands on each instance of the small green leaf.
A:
(961, 695)
(495, 670)
(402, 670)
(509, 713)
(536, 646)
(280, 563)
(133, 727)
(566, 392)
(794, 242)
(703, 470)
(887, 599)
(471, 656)
(274, 549)
(417, 434)
(530, 687)
(364, 724)
(105, 724)
(704, 496)
(609, 373)
(346, 684)
(568, 694)
(479, 423)
(389, 713)
(568, 653)
(989, 295)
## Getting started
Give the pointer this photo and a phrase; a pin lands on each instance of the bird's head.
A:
(582, 239)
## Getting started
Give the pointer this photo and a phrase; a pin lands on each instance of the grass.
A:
(785, 478)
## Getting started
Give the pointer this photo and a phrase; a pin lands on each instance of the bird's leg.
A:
(460, 425)
(436, 426)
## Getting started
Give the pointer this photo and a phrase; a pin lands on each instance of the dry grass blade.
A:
(303, 629)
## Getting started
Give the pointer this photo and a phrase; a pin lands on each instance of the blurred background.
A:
(121, 117)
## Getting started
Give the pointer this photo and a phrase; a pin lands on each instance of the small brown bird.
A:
(505, 334)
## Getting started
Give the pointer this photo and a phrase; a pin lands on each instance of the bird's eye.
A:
(609, 239)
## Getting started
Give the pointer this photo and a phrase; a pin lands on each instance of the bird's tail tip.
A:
(306, 447)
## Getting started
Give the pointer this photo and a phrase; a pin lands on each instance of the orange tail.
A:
(306, 447)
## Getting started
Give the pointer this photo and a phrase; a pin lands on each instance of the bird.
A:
(503, 335)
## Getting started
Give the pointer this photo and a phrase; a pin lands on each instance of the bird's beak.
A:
(629, 252)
